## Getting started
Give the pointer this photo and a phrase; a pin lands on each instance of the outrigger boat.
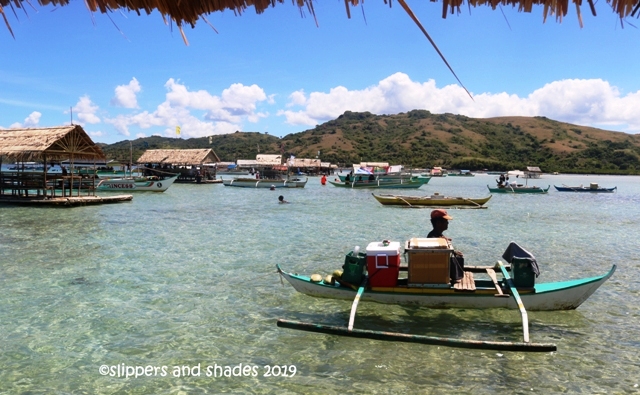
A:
(431, 287)
(593, 188)
(148, 184)
(248, 182)
(385, 178)
(518, 189)
(435, 200)
(378, 184)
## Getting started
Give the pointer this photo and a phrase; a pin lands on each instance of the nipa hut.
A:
(46, 145)
(532, 172)
(191, 164)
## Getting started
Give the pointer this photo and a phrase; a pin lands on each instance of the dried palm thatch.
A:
(188, 12)
(57, 143)
(179, 156)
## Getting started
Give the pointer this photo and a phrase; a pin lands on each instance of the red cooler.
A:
(383, 263)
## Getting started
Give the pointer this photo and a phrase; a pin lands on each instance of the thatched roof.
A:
(301, 162)
(57, 143)
(179, 156)
(269, 160)
(189, 12)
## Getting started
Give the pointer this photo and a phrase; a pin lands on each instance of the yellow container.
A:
(428, 260)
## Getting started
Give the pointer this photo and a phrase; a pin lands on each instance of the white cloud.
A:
(29, 122)
(584, 102)
(85, 110)
(125, 95)
(97, 134)
(221, 114)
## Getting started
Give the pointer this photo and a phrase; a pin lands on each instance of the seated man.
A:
(440, 222)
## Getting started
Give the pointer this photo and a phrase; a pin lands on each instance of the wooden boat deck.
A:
(467, 284)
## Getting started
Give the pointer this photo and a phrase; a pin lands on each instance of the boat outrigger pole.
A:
(408, 338)
(516, 296)
(354, 305)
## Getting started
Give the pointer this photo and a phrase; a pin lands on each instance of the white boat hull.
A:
(565, 295)
(263, 183)
(135, 184)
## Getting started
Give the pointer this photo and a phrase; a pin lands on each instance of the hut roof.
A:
(301, 162)
(57, 143)
(247, 162)
(179, 156)
(188, 12)
(534, 169)
(269, 160)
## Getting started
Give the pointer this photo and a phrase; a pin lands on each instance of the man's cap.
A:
(440, 214)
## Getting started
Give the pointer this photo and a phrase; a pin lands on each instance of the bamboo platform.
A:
(467, 283)
(65, 201)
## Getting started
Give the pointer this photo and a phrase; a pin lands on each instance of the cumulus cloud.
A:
(29, 122)
(584, 102)
(221, 114)
(85, 110)
(125, 95)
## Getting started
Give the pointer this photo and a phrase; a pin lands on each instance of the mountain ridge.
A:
(420, 139)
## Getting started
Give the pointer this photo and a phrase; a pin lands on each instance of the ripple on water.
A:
(188, 277)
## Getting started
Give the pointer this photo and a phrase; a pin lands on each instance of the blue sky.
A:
(127, 76)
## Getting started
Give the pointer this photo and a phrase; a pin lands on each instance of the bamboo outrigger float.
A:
(434, 200)
(467, 293)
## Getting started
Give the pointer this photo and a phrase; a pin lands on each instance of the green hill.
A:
(423, 140)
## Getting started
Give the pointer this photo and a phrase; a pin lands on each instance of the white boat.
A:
(150, 184)
(564, 295)
(249, 182)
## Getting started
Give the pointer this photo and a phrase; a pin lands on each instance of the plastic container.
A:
(355, 264)
(383, 263)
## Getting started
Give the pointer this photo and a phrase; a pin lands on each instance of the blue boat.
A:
(593, 188)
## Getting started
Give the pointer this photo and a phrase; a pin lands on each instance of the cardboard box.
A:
(428, 260)
(383, 264)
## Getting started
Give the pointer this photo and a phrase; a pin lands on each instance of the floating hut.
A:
(193, 165)
(63, 145)
(532, 172)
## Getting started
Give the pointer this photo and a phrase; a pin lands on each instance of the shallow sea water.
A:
(187, 278)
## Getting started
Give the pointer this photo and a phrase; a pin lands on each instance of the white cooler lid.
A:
(378, 248)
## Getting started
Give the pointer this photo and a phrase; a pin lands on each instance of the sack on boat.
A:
(456, 267)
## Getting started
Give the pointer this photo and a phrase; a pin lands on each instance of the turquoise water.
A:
(187, 278)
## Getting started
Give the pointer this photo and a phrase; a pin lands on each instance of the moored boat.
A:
(394, 178)
(593, 188)
(462, 173)
(430, 200)
(518, 189)
(248, 182)
(378, 184)
(138, 184)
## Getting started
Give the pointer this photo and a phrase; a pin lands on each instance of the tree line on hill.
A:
(419, 139)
